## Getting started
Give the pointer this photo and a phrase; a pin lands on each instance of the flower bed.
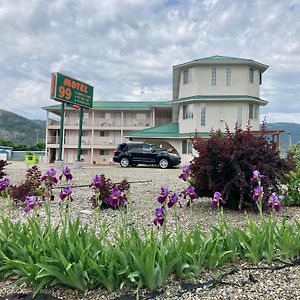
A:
(142, 206)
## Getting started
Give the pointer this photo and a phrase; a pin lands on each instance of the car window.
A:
(147, 148)
(136, 148)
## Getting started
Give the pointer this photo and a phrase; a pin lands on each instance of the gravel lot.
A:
(243, 284)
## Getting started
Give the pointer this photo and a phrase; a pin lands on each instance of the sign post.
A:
(79, 134)
(61, 130)
(80, 94)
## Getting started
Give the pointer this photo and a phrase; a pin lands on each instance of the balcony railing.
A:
(53, 140)
(104, 141)
(137, 123)
(53, 122)
(104, 122)
(76, 122)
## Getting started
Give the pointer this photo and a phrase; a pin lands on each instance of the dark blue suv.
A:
(132, 154)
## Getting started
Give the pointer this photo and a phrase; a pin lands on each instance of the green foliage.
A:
(292, 183)
(40, 146)
(77, 257)
(6, 143)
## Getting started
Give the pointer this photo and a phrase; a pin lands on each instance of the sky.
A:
(126, 48)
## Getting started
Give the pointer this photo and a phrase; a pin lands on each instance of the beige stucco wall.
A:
(201, 82)
(218, 114)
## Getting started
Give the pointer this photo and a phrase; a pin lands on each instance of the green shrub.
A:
(292, 183)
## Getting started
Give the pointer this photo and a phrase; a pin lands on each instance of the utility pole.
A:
(37, 135)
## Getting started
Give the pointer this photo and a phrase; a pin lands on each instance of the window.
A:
(136, 148)
(104, 133)
(104, 152)
(84, 151)
(213, 75)
(104, 115)
(251, 75)
(260, 77)
(186, 76)
(253, 112)
(187, 147)
(203, 115)
(84, 133)
(85, 115)
(188, 111)
(228, 75)
(239, 114)
(147, 148)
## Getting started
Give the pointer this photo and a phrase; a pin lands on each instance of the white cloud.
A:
(123, 47)
(274, 117)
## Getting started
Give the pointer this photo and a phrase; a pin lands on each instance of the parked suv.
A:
(132, 154)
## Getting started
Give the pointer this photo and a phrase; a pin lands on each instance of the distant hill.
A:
(292, 128)
(20, 130)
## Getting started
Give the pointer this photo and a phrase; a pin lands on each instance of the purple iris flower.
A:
(274, 201)
(257, 193)
(67, 173)
(117, 198)
(173, 200)
(4, 183)
(31, 202)
(215, 202)
(50, 176)
(164, 192)
(190, 191)
(255, 175)
(159, 216)
(66, 192)
(98, 182)
(186, 173)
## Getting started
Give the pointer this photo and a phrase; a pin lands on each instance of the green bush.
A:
(292, 184)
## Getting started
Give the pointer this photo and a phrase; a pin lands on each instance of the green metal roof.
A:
(224, 59)
(120, 105)
(223, 98)
(170, 130)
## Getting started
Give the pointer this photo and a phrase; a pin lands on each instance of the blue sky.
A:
(126, 48)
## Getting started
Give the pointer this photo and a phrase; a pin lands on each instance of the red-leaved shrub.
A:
(225, 163)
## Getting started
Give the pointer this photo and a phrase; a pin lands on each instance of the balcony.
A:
(105, 141)
(53, 140)
(75, 123)
(137, 123)
(105, 123)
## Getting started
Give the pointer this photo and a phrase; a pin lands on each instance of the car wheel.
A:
(124, 162)
(163, 163)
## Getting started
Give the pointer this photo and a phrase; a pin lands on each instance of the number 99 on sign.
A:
(65, 92)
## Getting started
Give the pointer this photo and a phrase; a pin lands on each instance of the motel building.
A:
(208, 94)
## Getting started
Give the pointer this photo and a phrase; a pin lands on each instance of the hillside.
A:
(292, 128)
(20, 130)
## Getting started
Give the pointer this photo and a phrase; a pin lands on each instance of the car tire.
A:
(163, 163)
(124, 162)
